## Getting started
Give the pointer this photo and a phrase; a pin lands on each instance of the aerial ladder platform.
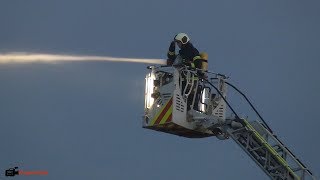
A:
(179, 102)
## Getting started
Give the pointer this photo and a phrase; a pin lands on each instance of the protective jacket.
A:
(188, 53)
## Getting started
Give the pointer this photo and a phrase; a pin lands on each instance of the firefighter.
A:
(191, 58)
(188, 53)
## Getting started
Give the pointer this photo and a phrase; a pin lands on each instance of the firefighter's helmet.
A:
(182, 37)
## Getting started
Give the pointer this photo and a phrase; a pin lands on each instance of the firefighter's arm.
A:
(197, 60)
(171, 53)
(194, 57)
(201, 61)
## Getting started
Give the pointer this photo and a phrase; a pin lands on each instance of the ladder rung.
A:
(257, 148)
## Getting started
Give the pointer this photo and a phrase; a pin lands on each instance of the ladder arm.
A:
(260, 143)
(269, 154)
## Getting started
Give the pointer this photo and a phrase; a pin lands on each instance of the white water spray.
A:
(23, 57)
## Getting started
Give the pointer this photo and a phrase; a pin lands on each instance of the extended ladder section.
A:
(259, 142)
(268, 152)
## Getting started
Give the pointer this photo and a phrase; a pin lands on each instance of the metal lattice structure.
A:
(268, 152)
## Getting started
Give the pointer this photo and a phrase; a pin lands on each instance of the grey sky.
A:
(83, 120)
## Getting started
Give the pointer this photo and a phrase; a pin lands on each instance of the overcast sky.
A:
(83, 120)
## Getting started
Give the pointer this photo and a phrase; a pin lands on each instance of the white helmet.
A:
(182, 37)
